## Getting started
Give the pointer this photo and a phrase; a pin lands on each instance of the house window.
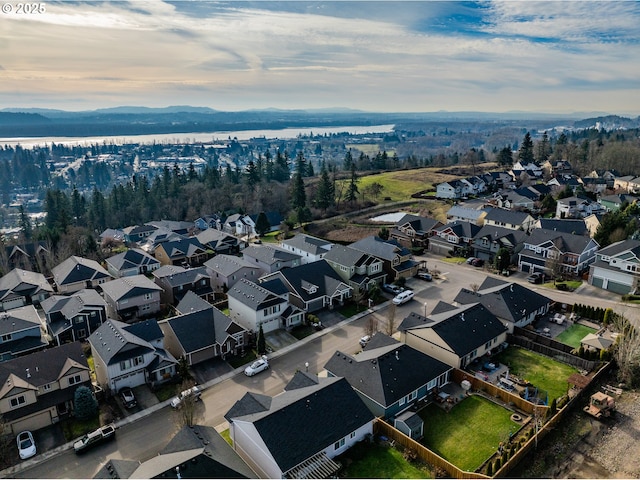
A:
(6, 337)
(78, 320)
(93, 314)
(46, 387)
(82, 333)
(352, 435)
(125, 364)
(144, 308)
(75, 379)
(432, 384)
(18, 401)
(148, 296)
(138, 360)
(338, 444)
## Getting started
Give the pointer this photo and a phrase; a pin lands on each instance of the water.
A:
(195, 137)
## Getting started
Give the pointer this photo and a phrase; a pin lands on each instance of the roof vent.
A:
(28, 374)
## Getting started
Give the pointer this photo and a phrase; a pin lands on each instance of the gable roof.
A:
(192, 302)
(304, 278)
(465, 328)
(176, 275)
(384, 249)
(564, 242)
(620, 247)
(129, 287)
(348, 256)
(506, 237)
(422, 225)
(509, 301)
(307, 243)
(460, 228)
(227, 265)
(200, 329)
(77, 269)
(113, 343)
(470, 214)
(183, 247)
(566, 225)
(132, 258)
(253, 295)
(23, 282)
(388, 372)
(279, 426)
(269, 254)
(502, 215)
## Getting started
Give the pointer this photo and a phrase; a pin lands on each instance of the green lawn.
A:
(166, 391)
(227, 436)
(365, 460)
(571, 284)
(239, 360)
(468, 434)
(572, 335)
(453, 259)
(543, 372)
(302, 331)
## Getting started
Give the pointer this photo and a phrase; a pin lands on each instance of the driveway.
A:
(210, 369)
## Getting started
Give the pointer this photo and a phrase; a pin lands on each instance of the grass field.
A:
(572, 335)
(543, 372)
(468, 434)
(378, 461)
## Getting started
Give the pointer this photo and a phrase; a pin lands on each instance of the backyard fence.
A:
(380, 427)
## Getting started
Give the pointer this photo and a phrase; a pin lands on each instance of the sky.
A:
(382, 56)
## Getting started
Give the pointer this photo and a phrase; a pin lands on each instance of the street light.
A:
(306, 367)
(425, 309)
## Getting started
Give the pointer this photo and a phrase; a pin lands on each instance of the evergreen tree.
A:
(543, 150)
(262, 344)
(352, 189)
(84, 403)
(325, 194)
(298, 194)
(525, 154)
(25, 224)
(262, 224)
(348, 161)
(505, 157)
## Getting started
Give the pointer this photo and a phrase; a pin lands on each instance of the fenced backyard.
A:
(572, 335)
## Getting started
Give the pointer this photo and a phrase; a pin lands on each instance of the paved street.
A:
(147, 435)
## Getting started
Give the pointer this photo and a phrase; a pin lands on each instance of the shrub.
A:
(490, 469)
(84, 403)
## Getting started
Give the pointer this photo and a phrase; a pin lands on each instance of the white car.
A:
(257, 366)
(403, 297)
(26, 445)
(190, 392)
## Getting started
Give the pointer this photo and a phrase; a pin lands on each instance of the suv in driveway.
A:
(536, 278)
(128, 398)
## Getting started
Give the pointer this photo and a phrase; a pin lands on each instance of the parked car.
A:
(26, 445)
(425, 276)
(94, 438)
(535, 278)
(477, 262)
(128, 398)
(364, 340)
(470, 260)
(190, 392)
(395, 289)
(403, 297)
(257, 366)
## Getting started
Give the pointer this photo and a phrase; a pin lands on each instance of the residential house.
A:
(575, 226)
(592, 223)
(561, 182)
(196, 451)
(22, 287)
(20, 332)
(453, 238)
(297, 433)
(38, 389)
(617, 267)
(274, 219)
(512, 220)
(312, 286)
(130, 355)
(558, 167)
(463, 214)
(514, 304)
(414, 231)
(359, 270)
(397, 261)
(595, 185)
(132, 262)
(185, 252)
(112, 235)
(498, 180)
(219, 241)
(270, 259)
(576, 207)
(531, 170)
(137, 233)
(627, 183)
(612, 203)
(490, 239)
(310, 249)
(131, 298)
(557, 253)
(209, 221)
(389, 376)
(179, 227)
(157, 238)
(254, 306)
(453, 189)
(608, 175)
(27, 256)
(474, 185)
(202, 332)
(74, 317)
(77, 273)
(519, 199)
(240, 225)
(455, 336)
(176, 281)
(226, 270)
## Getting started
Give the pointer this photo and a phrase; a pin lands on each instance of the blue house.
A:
(389, 376)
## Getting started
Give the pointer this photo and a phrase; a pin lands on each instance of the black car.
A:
(128, 398)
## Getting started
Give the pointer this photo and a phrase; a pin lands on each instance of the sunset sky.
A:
(387, 56)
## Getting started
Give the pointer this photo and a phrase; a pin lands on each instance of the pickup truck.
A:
(94, 438)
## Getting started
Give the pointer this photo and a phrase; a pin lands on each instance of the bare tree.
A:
(626, 349)
(474, 287)
(358, 297)
(187, 410)
(371, 326)
(391, 319)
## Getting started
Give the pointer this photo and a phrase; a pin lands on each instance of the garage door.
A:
(34, 422)
(618, 287)
(132, 380)
(597, 282)
(271, 325)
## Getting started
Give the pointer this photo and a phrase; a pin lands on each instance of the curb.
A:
(11, 471)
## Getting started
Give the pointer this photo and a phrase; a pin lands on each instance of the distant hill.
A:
(608, 122)
(19, 118)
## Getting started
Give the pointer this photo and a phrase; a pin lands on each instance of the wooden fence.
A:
(546, 346)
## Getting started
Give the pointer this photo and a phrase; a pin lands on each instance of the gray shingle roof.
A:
(17, 319)
(227, 265)
(23, 282)
(114, 343)
(507, 216)
(564, 242)
(386, 373)
(379, 248)
(192, 302)
(132, 258)
(317, 274)
(268, 254)
(201, 328)
(253, 295)
(77, 269)
(129, 287)
(307, 243)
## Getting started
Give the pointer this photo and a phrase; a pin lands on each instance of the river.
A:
(195, 137)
